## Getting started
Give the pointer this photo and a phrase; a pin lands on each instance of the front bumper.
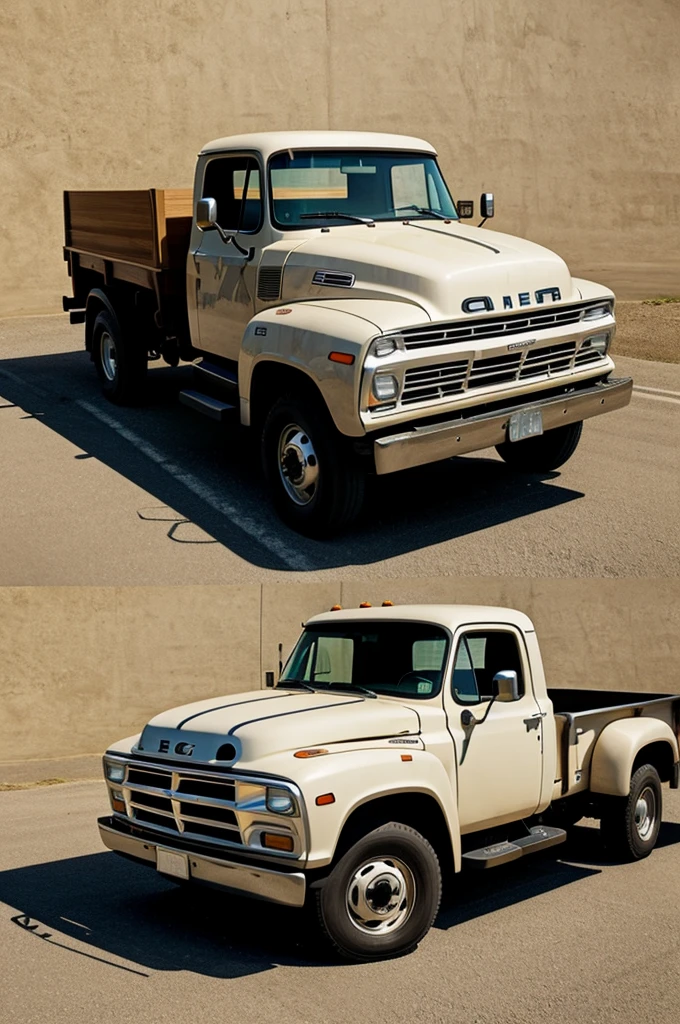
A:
(287, 887)
(420, 445)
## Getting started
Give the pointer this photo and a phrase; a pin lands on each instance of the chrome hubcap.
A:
(645, 813)
(298, 464)
(107, 349)
(381, 896)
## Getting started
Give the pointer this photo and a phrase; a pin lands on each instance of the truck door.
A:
(225, 278)
(499, 761)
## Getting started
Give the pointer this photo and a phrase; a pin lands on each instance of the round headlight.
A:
(280, 801)
(115, 772)
(385, 387)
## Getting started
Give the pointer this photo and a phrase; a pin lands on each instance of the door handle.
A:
(534, 721)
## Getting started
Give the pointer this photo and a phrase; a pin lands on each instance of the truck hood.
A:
(430, 264)
(261, 723)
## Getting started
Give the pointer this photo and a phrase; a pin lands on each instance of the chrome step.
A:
(211, 407)
(540, 837)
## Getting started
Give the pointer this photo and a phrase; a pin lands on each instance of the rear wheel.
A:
(120, 360)
(630, 824)
(382, 896)
(316, 485)
(544, 453)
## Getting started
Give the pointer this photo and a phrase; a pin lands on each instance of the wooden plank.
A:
(116, 224)
(174, 212)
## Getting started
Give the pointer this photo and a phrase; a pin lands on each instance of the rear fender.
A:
(617, 748)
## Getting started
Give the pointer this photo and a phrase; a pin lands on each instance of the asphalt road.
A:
(86, 935)
(94, 494)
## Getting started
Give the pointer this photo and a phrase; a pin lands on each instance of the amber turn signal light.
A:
(273, 841)
(407, 757)
(313, 752)
(341, 357)
(325, 798)
(118, 805)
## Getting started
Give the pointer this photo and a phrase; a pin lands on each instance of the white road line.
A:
(656, 391)
(656, 398)
(289, 556)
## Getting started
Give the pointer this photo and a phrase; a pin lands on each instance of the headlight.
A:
(385, 387)
(114, 772)
(598, 342)
(597, 312)
(383, 346)
(280, 801)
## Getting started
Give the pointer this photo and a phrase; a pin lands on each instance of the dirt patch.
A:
(648, 330)
(7, 787)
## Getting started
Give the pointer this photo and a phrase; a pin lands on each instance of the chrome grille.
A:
(495, 327)
(429, 383)
(186, 804)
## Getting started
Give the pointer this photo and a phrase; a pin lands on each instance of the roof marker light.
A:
(388, 604)
(365, 604)
(336, 608)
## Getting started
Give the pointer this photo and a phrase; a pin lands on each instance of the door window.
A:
(234, 184)
(480, 655)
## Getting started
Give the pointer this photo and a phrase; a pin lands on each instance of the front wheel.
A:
(316, 485)
(544, 453)
(630, 825)
(382, 896)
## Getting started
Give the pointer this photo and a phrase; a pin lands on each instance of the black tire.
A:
(120, 359)
(383, 857)
(542, 454)
(300, 429)
(627, 833)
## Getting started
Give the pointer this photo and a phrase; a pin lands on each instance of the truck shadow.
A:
(405, 512)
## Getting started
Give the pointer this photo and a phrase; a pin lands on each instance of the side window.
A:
(480, 655)
(234, 184)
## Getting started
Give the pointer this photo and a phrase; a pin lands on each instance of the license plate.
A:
(527, 423)
(171, 863)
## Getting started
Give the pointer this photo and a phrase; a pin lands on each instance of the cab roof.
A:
(268, 143)
(449, 615)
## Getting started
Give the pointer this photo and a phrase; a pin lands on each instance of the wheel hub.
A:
(109, 358)
(645, 813)
(298, 464)
(380, 896)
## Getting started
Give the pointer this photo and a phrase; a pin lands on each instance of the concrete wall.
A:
(83, 666)
(568, 111)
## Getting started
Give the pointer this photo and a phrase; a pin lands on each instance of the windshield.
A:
(310, 189)
(398, 659)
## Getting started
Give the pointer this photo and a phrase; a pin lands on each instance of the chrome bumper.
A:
(275, 886)
(420, 445)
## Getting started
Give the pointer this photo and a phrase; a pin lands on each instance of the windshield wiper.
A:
(336, 215)
(353, 686)
(292, 683)
(425, 209)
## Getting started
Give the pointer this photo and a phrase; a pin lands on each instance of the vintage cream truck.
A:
(400, 745)
(326, 290)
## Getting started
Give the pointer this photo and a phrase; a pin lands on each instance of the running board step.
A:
(540, 837)
(211, 407)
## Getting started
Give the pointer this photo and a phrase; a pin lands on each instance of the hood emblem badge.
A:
(484, 303)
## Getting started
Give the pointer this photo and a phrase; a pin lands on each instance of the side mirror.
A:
(506, 686)
(486, 205)
(206, 214)
(465, 208)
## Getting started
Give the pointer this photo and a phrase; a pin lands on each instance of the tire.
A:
(316, 485)
(542, 454)
(120, 360)
(394, 863)
(630, 824)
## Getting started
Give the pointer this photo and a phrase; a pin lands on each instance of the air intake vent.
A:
(333, 279)
(269, 283)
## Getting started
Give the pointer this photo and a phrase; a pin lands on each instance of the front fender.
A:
(617, 747)
(356, 778)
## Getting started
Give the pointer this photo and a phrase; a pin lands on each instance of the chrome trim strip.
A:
(421, 445)
(275, 886)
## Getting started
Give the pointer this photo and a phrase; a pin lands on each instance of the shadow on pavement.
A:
(404, 512)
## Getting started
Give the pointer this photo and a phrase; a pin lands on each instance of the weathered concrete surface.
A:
(567, 111)
(86, 935)
(84, 666)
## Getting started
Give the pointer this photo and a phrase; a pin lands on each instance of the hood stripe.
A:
(462, 238)
(298, 711)
(234, 704)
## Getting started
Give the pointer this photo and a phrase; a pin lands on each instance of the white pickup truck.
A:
(400, 744)
(324, 285)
